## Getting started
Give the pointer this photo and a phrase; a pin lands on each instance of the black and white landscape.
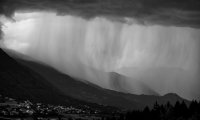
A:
(100, 59)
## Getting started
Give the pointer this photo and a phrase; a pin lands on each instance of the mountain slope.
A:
(20, 82)
(91, 93)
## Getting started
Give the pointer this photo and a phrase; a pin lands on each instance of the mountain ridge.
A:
(21, 83)
(93, 93)
(86, 91)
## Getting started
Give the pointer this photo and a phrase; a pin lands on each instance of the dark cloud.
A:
(165, 12)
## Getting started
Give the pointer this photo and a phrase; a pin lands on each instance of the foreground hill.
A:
(22, 83)
(91, 93)
(18, 81)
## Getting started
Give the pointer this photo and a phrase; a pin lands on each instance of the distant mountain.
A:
(86, 91)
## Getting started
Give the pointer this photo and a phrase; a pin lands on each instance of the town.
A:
(11, 109)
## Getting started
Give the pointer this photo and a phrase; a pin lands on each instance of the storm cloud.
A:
(136, 47)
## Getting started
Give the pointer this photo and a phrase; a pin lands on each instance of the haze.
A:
(124, 56)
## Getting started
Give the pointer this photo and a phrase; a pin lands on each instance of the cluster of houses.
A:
(10, 107)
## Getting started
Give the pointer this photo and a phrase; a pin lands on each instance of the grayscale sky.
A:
(120, 53)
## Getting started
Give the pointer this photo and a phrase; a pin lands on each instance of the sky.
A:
(125, 55)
